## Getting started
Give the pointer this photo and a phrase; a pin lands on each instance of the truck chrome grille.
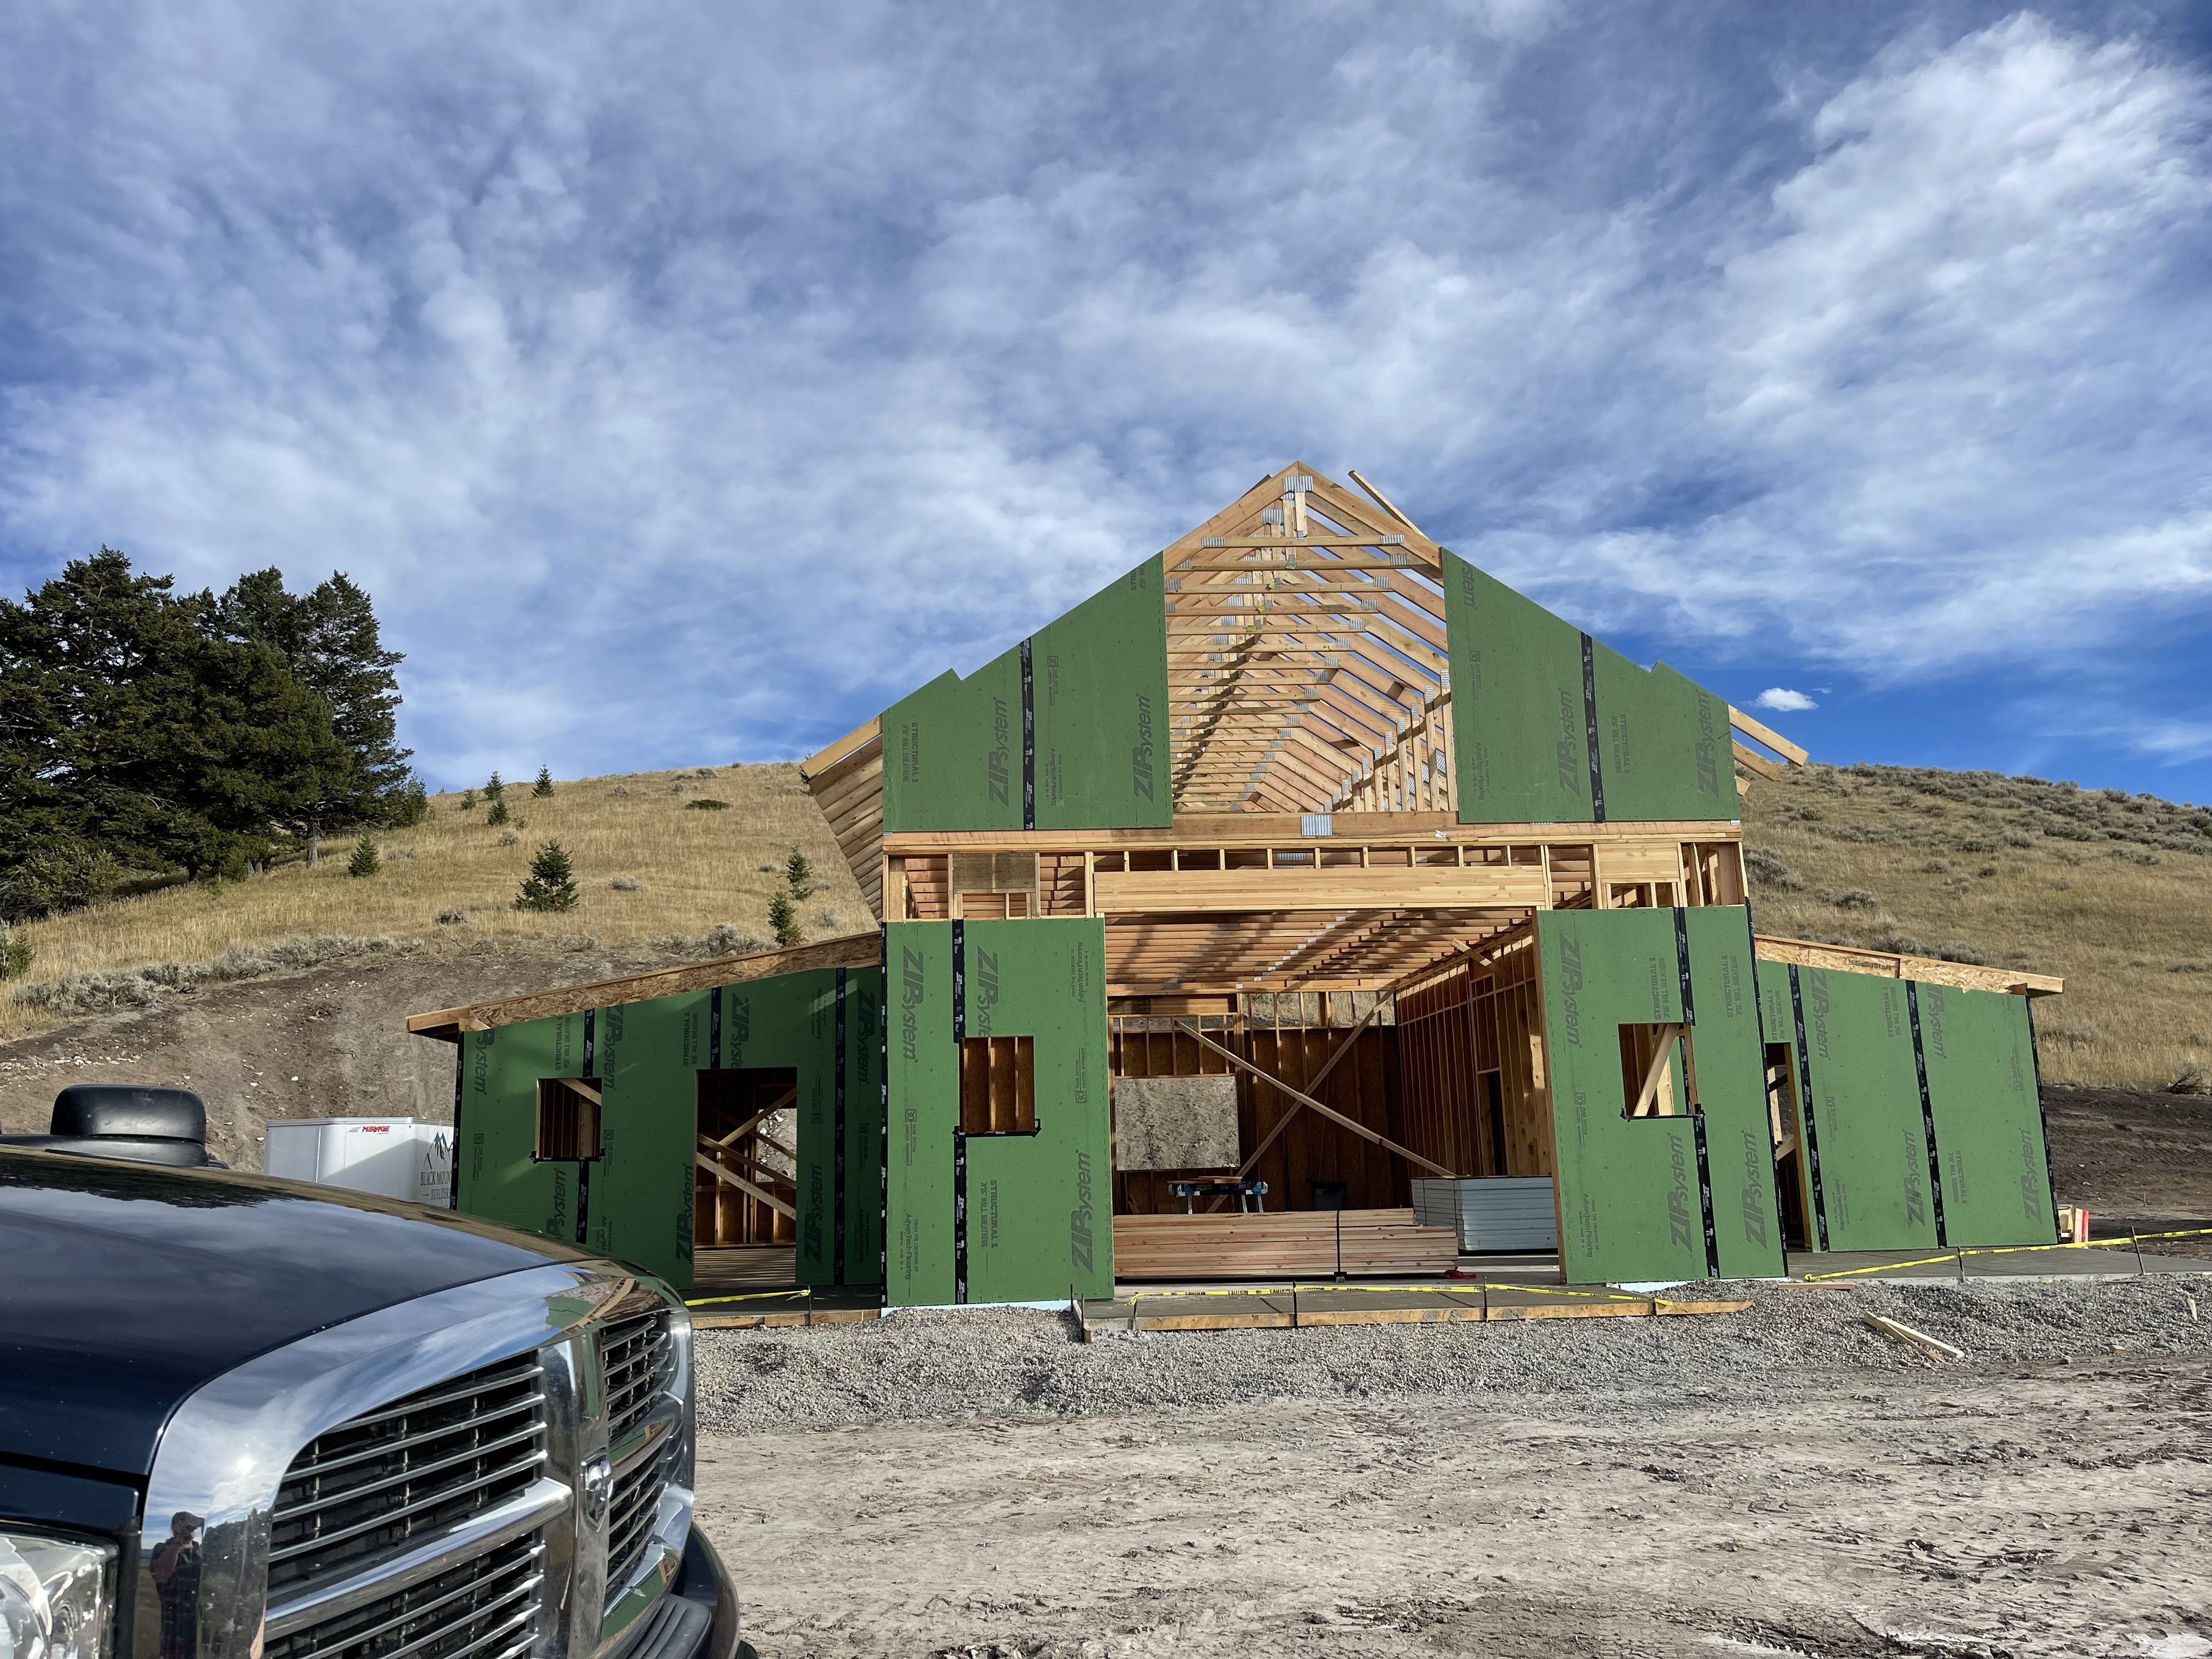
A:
(484, 1607)
(630, 1516)
(634, 1358)
(637, 1360)
(406, 1472)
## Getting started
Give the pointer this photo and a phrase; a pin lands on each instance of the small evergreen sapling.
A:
(552, 882)
(364, 861)
(16, 953)
(543, 787)
(499, 813)
(415, 803)
(468, 800)
(799, 875)
(494, 789)
(783, 916)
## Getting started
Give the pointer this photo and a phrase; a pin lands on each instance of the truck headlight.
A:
(54, 1596)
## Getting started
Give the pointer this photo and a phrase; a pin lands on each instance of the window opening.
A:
(568, 1121)
(997, 1085)
(992, 886)
(1658, 1071)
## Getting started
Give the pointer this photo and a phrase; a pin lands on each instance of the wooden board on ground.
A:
(1283, 1244)
(1381, 1305)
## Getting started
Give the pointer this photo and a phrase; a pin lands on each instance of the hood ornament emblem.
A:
(597, 1491)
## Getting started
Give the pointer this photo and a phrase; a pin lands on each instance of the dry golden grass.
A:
(2112, 891)
(696, 870)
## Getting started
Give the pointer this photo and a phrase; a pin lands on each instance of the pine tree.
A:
(364, 861)
(783, 917)
(543, 787)
(552, 882)
(468, 800)
(135, 736)
(414, 804)
(16, 953)
(495, 790)
(328, 637)
(799, 874)
(498, 813)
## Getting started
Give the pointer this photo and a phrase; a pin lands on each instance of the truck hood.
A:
(126, 1286)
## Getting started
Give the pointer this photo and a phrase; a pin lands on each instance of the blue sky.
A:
(689, 382)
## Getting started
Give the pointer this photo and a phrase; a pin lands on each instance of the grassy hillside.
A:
(2113, 891)
(654, 873)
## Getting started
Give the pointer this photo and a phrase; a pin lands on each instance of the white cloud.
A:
(688, 384)
(1782, 698)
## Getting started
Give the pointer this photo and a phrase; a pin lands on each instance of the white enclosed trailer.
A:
(391, 1157)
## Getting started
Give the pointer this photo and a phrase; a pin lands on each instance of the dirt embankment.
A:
(333, 1043)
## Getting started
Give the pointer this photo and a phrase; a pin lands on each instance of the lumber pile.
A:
(1296, 1243)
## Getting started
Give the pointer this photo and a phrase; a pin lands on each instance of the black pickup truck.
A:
(250, 1419)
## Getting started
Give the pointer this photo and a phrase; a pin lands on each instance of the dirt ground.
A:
(2022, 1511)
(2131, 1156)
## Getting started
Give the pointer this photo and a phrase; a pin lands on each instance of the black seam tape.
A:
(959, 1216)
(1927, 1112)
(1029, 742)
(1682, 963)
(959, 982)
(1805, 1108)
(1589, 728)
(1705, 1192)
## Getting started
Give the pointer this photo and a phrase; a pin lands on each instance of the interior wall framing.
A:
(1294, 1043)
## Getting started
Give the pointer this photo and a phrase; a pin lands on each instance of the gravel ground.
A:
(941, 1367)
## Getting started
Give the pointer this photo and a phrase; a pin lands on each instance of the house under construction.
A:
(1307, 866)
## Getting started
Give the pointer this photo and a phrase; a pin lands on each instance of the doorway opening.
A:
(746, 1173)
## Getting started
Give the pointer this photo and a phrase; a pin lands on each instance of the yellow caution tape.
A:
(2011, 1250)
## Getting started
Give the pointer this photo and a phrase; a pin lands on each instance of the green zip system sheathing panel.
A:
(923, 1101)
(1989, 1123)
(1635, 1204)
(1518, 714)
(1529, 692)
(864, 1126)
(998, 1218)
(791, 1020)
(1867, 1117)
(1062, 733)
(1663, 743)
(649, 1055)
(1747, 1227)
(1100, 689)
(1038, 1205)
(494, 1176)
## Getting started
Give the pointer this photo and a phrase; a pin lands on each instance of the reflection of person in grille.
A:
(177, 1579)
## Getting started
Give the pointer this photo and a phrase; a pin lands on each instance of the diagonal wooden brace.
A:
(1304, 1099)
